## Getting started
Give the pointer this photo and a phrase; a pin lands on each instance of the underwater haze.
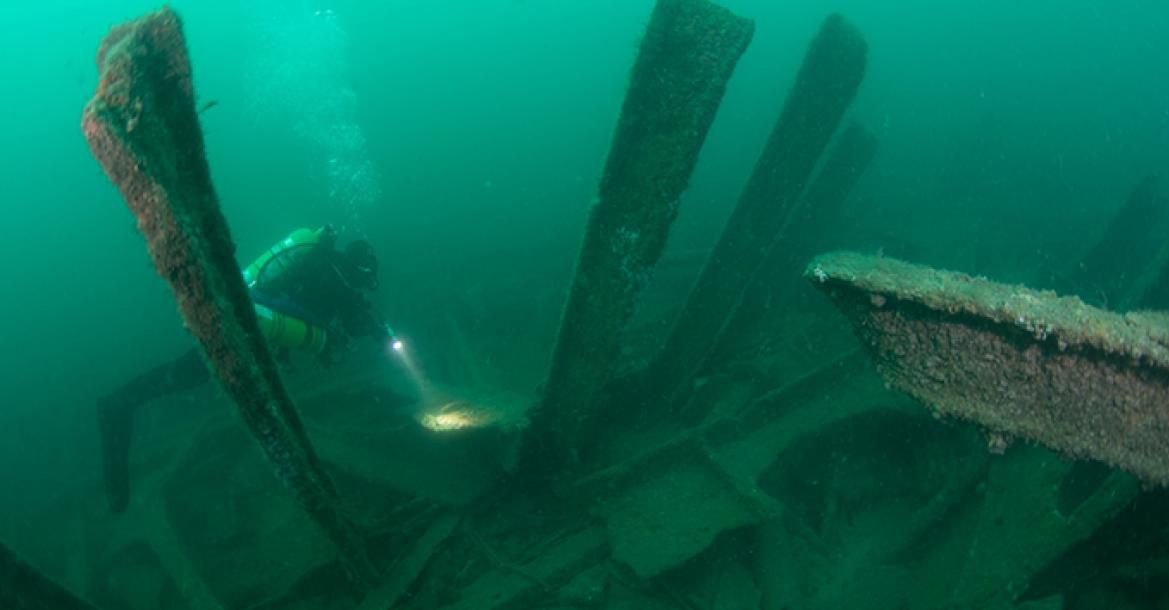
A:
(465, 140)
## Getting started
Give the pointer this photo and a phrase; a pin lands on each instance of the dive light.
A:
(392, 339)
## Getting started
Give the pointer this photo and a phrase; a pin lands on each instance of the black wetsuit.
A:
(318, 293)
(314, 291)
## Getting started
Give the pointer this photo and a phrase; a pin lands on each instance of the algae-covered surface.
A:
(1052, 369)
(1063, 321)
(829, 76)
(143, 128)
(685, 60)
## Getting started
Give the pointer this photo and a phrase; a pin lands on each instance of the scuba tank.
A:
(286, 331)
(281, 329)
(277, 260)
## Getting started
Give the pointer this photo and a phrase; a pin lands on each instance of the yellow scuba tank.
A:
(286, 331)
(277, 260)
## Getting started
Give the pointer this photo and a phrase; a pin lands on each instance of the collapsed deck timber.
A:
(1020, 362)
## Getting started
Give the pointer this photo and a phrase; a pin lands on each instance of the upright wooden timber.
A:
(809, 226)
(1080, 380)
(688, 53)
(825, 86)
(143, 128)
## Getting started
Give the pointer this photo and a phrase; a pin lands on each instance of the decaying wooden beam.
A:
(832, 71)
(687, 55)
(1078, 379)
(143, 128)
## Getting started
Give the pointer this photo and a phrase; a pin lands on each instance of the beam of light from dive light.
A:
(396, 349)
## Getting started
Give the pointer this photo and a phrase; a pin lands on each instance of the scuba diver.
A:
(308, 297)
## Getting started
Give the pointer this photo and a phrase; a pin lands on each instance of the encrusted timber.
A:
(687, 55)
(22, 586)
(828, 79)
(143, 128)
(1077, 379)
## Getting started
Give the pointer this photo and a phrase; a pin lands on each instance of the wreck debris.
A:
(712, 470)
(634, 499)
(687, 55)
(838, 545)
(687, 499)
(1078, 379)
(214, 520)
(510, 587)
(142, 127)
(213, 496)
(1016, 535)
(22, 587)
(832, 71)
(399, 579)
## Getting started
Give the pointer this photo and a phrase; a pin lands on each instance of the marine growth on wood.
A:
(686, 58)
(828, 79)
(1078, 379)
(143, 128)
